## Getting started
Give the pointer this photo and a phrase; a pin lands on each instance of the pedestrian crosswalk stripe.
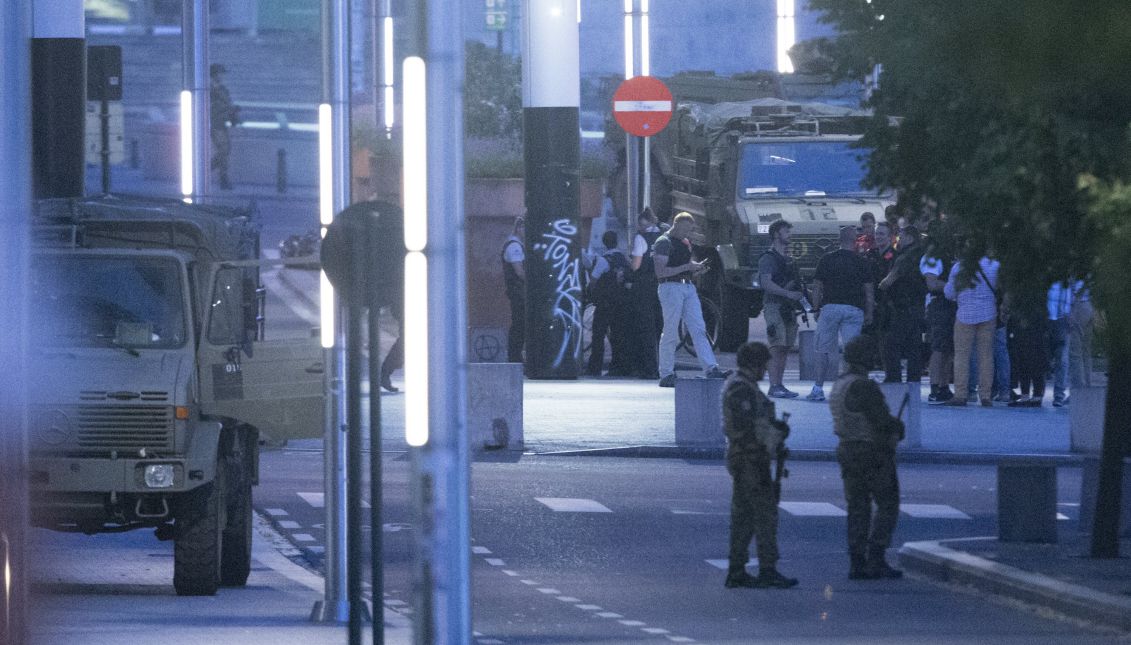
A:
(318, 500)
(276, 512)
(302, 537)
(812, 509)
(289, 524)
(723, 564)
(1062, 516)
(573, 505)
(608, 614)
(933, 511)
(480, 550)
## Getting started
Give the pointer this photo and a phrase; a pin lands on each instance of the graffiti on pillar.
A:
(566, 311)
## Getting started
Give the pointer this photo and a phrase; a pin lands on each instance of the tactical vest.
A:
(785, 275)
(849, 425)
(647, 271)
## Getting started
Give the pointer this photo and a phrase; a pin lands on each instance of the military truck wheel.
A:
(734, 318)
(197, 538)
(235, 565)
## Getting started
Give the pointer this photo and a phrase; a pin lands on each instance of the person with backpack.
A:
(607, 292)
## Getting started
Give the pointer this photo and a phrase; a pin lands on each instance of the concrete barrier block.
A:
(494, 402)
(1026, 502)
(1086, 419)
(894, 394)
(699, 412)
(807, 354)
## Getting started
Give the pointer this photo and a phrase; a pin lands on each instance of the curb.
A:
(934, 560)
(818, 454)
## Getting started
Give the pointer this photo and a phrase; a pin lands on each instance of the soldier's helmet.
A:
(752, 356)
(860, 350)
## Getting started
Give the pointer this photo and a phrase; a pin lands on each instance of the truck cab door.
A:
(272, 383)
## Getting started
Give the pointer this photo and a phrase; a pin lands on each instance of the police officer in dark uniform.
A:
(643, 301)
(223, 113)
(513, 257)
(868, 436)
(754, 438)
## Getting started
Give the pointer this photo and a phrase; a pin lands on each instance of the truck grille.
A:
(118, 427)
(805, 249)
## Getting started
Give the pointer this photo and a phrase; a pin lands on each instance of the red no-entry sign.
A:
(642, 106)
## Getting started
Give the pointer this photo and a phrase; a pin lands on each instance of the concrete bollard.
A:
(494, 406)
(1089, 489)
(894, 394)
(807, 354)
(1086, 419)
(699, 412)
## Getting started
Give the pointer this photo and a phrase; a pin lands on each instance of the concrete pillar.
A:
(699, 412)
(58, 58)
(551, 99)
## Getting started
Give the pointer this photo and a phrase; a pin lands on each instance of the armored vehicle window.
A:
(774, 169)
(226, 322)
(103, 301)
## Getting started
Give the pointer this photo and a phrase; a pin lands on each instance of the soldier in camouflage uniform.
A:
(868, 436)
(754, 438)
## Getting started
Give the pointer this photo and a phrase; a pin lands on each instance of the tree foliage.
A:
(1014, 121)
(492, 94)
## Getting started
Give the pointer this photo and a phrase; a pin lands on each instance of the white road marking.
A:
(480, 550)
(679, 512)
(277, 512)
(723, 564)
(632, 623)
(317, 550)
(588, 607)
(289, 524)
(530, 582)
(1062, 516)
(681, 639)
(510, 573)
(573, 505)
(548, 591)
(654, 630)
(302, 537)
(812, 509)
(933, 511)
(318, 500)
(495, 562)
(608, 614)
(569, 599)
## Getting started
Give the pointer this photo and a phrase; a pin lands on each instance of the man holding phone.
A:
(675, 269)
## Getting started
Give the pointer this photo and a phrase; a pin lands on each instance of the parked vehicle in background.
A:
(152, 377)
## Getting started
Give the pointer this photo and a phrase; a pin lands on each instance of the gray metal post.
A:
(441, 475)
(194, 71)
(15, 193)
(335, 92)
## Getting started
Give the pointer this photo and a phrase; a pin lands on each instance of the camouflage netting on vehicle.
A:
(766, 116)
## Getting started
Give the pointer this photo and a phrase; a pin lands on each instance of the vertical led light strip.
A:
(628, 42)
(388, 71)
(415, 240)
(645, 52)
(325, 215)
(787, 35)
(186, 144)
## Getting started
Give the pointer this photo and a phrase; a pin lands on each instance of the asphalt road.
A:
(606, 550)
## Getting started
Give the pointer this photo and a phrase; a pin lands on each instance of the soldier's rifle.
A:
(780, 471)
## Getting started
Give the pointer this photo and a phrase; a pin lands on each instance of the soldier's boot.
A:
(770, 578)
(879, 568)
(858, 569)
(739, 578)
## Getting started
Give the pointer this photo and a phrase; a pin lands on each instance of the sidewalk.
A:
(114, 589)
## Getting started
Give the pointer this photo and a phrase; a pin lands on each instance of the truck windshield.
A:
(107, 301)
(797, 168)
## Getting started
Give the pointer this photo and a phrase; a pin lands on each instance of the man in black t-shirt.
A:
(844, 294)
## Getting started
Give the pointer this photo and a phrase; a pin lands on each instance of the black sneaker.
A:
(668, 381)
(740, 580)
(771, 579)
(780, 392)
(716, 372)
(387, 383)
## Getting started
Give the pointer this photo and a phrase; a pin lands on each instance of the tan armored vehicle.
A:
(152, 380)
(738, 167)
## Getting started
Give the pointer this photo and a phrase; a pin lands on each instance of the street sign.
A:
(115, 128)
(642, 106)
(498, 15)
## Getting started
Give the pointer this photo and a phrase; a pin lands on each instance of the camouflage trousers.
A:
(869, 477)
(753, 513)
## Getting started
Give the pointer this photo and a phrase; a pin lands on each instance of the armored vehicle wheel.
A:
(734, 318)
(235, 565)
(197, 540)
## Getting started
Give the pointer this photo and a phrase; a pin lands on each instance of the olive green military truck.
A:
(739, 167)
(152, 377)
